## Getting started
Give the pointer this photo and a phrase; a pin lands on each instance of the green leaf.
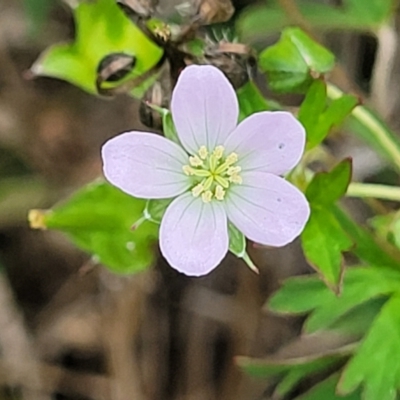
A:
(264, 368)
(376, 365)
(301, 295)
(366, 248)
(252, 101)
(359, 319)
(37, 12)
(318, 117)
(313, 105)
(390, 224)
(102, 29)
(296, 374)
(323, 239)
(290, 371)
(326, 390)
(293, 62)
(98, 218)
(328, 187)
(266, 18)
(384, 227)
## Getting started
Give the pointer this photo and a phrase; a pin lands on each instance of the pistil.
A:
(216, 172)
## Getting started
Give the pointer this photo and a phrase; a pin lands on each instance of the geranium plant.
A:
(235, 164)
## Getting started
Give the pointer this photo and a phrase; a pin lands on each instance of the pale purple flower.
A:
(223, 171)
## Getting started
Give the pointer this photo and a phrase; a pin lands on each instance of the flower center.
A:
(213, 173)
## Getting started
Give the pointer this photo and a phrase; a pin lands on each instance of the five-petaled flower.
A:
(223, 171)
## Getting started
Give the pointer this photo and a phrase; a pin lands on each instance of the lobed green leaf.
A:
(102, 29)
(98, 218)
(303, 295)
(293, 62)
(375, 364)
(328, 187)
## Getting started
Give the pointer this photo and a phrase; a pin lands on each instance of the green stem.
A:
(377, 133)
(375, 191)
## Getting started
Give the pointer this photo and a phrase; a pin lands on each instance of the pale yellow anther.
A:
(233, 170)
(206, 196)
(187, 170)
(196, 191)
(231, 159)
(195, 161)
(203, 152)
(235, 178)
(219, 192)
(218, 152)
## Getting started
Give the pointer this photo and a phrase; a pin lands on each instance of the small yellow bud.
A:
(37, 219)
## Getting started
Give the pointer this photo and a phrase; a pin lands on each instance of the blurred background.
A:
(71, 330)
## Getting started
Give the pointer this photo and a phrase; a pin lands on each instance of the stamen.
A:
(203, 152)
(235, 178)
(231, 159)
(213, 162)
(222, 181)
(207, 184)
(233, 170)
(196, 191)
(187, 170)
(218, 152)
(219, 193)
(195, 161)
(212, 173)
(203, 173)
(206, 196)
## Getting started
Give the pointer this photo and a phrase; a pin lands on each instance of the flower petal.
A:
(267, 209)
(204, 107)
(194, 235)
(268, 141)
(145, 165)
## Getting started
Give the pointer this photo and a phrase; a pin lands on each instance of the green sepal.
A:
(237, 246)
(155, 210)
